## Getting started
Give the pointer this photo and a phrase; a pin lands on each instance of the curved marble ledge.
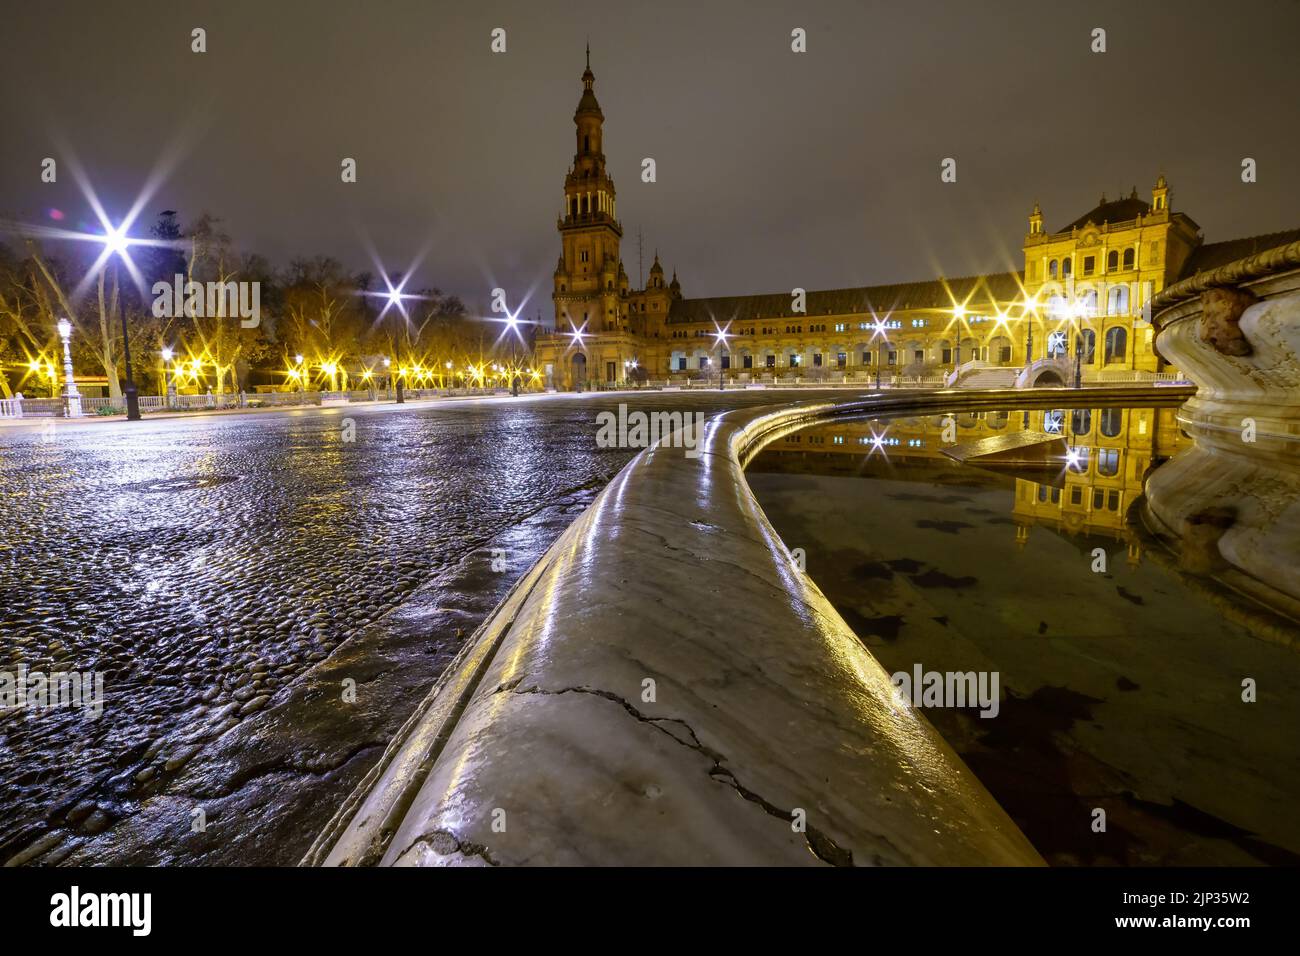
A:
(538, 745)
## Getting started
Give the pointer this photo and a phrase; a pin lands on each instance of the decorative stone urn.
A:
(1235, 332)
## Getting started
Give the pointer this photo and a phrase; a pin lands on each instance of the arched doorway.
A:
(579, 371)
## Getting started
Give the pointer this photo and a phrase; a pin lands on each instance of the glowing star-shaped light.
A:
(393, 295)
(576, 334)
(511, 323)
(720, 335)
(116, 241)
(878, 443)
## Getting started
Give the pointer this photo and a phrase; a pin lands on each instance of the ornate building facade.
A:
(1076, 310)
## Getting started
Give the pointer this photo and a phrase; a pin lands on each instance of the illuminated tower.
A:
(587, 276)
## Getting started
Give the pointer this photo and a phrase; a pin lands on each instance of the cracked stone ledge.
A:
(810, 714)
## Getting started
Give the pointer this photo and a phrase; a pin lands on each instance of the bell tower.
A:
(587, 276)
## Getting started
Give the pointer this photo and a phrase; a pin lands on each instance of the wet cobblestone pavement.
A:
(212, 569)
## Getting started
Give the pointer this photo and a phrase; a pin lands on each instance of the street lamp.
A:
(129, 390)
(720, 343)
(302, 373)
(71, 397)
(116, 243)
(958, 313)
(167, 377)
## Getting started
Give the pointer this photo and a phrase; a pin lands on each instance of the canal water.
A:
(1122, 735)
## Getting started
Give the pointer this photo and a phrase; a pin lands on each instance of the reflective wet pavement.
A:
(229, 576)
(1122, 686)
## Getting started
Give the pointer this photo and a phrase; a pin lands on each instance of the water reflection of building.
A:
(1113, 451)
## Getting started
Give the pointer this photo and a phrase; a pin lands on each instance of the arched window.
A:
(586, 144)
(1108, 462)
(1065, 267)
(1089, 343)
(1081, 421)
(1116, 344)
(1118, 300)
(1112, 420)
(1051, 269)
(1056, 341)
(1128, 258)
(1112, 260)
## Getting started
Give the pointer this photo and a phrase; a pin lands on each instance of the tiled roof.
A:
(1212, 255)
(977, 291)
(1120, 210)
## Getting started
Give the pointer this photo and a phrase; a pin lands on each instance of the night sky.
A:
(774, 169)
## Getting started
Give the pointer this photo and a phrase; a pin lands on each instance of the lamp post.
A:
(129, 390)
(116, 242)
(449, 367)
(1078, 359)
(720, 341)
(302, 374)
(168, 381)
(388, 377)
(71, 397)
(1029, 356)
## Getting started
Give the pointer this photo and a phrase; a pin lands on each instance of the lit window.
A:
(1108, 461)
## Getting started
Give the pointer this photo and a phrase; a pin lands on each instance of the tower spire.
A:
(589, 53)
